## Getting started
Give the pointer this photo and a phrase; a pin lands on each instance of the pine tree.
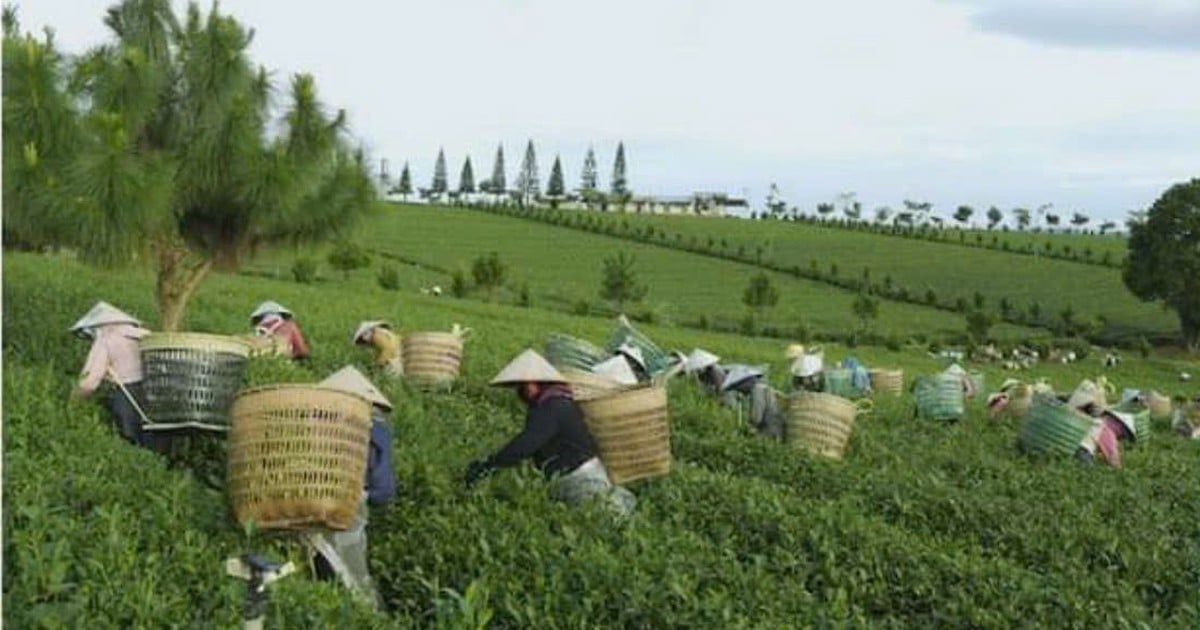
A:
(587, 182)
(497, 184)
(554, 187)
(404, 186)
(527, 179)
(439, 184)
(466, 181)
(620, 188)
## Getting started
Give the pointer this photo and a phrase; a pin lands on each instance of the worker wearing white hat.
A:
(115, 357)
(637, 361)
(386, 343)
(272, 319)
(704, 365)
(344, 553)
(746, 382)
(806, 370)
(555, 437)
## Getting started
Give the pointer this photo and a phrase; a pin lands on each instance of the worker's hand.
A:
(476, 470)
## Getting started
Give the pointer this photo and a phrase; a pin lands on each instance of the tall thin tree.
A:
(587, 181)
(620, 187)
(498, 184)
(527, 179)
(466, 180)
(439, 184)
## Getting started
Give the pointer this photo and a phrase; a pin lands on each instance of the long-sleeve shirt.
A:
(555, 438)
(380, 477)
(115, 348)
(386, 344)
(286, 329)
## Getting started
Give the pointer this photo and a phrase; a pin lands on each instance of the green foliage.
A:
(1164, 257)
(760, 294)
(979, 323)
(459, 287)
(619, 282)
(466, 179)
(489, 272)
(347, 256)
(866, 309)
(304, 270)
(555, 186)
(389, 278)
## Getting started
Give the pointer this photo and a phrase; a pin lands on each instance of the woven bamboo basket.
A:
(565, 351)
(633, 432)
(1019, 399)
(820, 423)
(297, 456)
(1053, 427)
(432, 359)
(589, 386)
(939, 397)
(887, 381)
(1160, 406)
(190, 379)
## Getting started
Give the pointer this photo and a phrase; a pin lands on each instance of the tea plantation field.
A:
(562, 268)
(950, 270)
(921, 525)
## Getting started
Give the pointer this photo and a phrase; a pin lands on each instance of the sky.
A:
(1092, 105)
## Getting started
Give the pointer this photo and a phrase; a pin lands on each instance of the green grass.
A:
(951, 271)
(563, 266)
(921, 524)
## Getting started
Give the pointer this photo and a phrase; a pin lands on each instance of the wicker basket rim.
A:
(306, 386)
(195, 340)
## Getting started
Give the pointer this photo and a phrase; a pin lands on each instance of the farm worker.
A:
(806, 371)
(386, 343)
(637, 362)
(860, 378)
(1104, 439)
(764, 415)
(1186, 419)
(555, 438)
(115, 357)
(617, 369)
(343, 554)
(272, 319)
(704, 365)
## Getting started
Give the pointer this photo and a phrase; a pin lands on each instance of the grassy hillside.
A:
(562, 267)
(949, 270)
(921, 525)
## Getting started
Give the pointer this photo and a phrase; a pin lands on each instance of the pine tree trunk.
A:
(179, 274)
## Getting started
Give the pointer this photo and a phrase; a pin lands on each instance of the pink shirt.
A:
(115, 348)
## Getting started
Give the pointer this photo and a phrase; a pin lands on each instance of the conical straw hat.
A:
(349, 379)
(739, 374)
(103, 314)
(1086, 394)
(700, 359)
(528, 367)
(794, 351)
(366, 327)
(617, 369)
(633, 353)
(269, 307)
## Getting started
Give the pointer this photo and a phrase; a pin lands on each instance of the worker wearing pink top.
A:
(114, 357)
(275, 320)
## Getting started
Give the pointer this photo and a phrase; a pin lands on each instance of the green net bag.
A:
(1053, 428)
(656, 359)
(567, 351)
(939, 397)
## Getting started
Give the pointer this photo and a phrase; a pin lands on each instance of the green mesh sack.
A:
(567, 351)
(939, 397)
(840, 382)
(1053, 428)
(656, 359)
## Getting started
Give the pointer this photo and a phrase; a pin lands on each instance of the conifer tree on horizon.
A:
(439, 184)
(527, 179)
(587, 183)
(620, 187)
(466, 180)
(497, 184)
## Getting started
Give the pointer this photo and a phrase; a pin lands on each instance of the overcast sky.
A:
(1089, 104)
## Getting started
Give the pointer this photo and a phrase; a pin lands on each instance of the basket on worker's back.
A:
(939, 397)
(656, 359)
(588, 386)
(1052, 427)
(821, 423)
(432, 359)
(190, 379)
(1019, 399)
(887, 381)
(1160, 405)
(297, 456)
(632, 429)
(565, 351)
